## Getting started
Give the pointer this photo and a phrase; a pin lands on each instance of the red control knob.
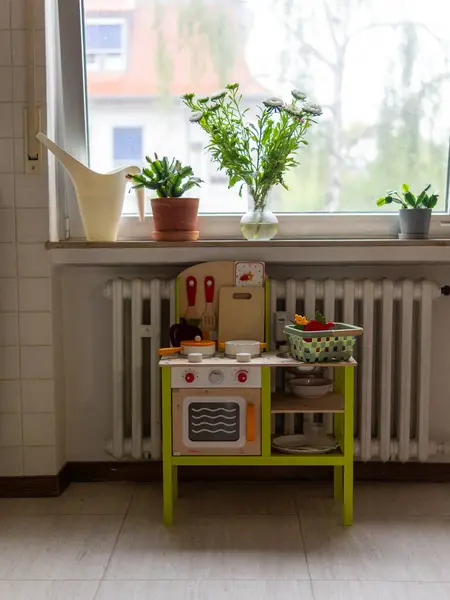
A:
(189, 377)
(242, 376)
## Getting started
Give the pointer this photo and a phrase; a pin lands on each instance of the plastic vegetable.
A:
(317, 324)
(301, 320)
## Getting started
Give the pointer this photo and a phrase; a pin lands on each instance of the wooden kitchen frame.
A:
(340, 403)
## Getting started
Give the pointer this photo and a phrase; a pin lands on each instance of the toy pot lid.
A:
(199, 343)
(204, 347)
(252, 347)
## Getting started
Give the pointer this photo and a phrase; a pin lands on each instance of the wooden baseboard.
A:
(151, 471)
(141, 472)
(34, 487)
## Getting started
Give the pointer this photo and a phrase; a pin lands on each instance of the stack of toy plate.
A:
(305, 444)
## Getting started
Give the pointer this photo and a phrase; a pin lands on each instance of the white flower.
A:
(273, 102)
(292, 110)
(312, 109)
(219, 95)
(196, 117)
(298, 94)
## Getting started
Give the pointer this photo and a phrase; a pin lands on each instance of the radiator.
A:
(392, 403)
(136, 416)
(394, 354)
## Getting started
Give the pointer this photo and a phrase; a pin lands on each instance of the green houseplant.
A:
(254, 154)
(415, 211)
(174, 216)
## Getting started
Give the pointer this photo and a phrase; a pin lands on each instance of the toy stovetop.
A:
(267, 359)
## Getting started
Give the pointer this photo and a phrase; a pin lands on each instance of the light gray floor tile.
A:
(79, 498)
(211, 547)
(205, 590)
(364, 590)
(58, 547)
(48, 590)
(376, 499)
(218, 498)
(383, 549)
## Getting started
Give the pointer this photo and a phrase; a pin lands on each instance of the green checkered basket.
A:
(322, 346)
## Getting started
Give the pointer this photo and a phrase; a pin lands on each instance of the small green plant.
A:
(408, 200)
(167, 179)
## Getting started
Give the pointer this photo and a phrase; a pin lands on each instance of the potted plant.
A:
(254, 154)
(415, 211)
(174, 216)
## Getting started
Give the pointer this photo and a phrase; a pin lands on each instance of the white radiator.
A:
(394, 355)
(129, 329)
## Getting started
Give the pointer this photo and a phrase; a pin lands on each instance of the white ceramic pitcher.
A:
(100, 195)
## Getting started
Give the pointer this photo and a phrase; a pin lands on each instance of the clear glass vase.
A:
(258, 224)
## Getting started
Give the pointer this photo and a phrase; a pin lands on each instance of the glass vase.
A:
(259, 223)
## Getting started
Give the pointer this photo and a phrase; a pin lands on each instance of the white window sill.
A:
(313, 251)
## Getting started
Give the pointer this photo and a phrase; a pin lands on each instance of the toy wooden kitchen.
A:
(223, 390)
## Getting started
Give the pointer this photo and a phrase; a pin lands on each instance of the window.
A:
(127, 145)
(104, 44)
(379, 68)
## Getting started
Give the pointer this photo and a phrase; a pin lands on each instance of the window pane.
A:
(379, 68)
(103, 37)
(127, 143)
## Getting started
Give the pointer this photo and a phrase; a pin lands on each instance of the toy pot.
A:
(100, 195)
(203, 347)
(175, 219)
(234, 347)
(414, 223)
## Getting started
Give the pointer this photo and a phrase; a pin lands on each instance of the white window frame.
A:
(67, 96)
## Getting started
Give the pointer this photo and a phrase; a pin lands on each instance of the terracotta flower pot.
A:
(175, 219)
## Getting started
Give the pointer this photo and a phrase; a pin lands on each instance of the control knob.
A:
(215, 377)
(242, 376)
(189, 377)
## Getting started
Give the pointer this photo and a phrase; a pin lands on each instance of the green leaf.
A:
(410, 199)
(320, 318)
(383, 201)
(405, 187)
(433, 200)
(423, 198)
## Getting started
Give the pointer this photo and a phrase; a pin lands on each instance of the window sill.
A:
(312, 251)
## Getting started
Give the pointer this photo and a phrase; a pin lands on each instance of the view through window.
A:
(379, 68)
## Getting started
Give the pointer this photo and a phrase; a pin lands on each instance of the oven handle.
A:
(250, 422)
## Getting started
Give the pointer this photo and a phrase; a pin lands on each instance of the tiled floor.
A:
(230, 541)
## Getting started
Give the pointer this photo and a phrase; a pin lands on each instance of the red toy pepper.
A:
(314, 325)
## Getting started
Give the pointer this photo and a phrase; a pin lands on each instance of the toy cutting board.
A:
(241, 313)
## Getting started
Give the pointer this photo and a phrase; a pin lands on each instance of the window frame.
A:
(71, 129)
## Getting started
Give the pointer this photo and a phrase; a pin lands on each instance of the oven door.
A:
(216, 421)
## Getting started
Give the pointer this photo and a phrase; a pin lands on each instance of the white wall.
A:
(29, 441)
(87, 346)
(36, 404)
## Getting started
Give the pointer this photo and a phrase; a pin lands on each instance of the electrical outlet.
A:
(280, 324)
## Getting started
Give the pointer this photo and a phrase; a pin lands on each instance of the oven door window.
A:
(214, 421)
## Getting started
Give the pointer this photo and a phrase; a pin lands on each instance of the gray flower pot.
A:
(414, 223)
